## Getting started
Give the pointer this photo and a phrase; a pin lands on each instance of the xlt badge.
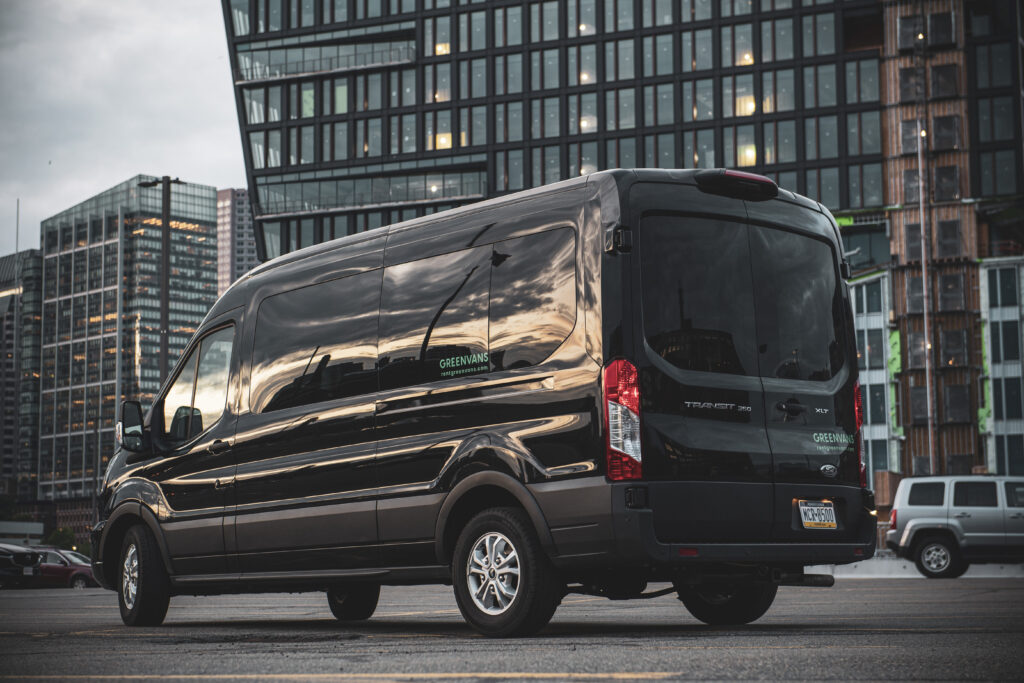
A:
(701, 405)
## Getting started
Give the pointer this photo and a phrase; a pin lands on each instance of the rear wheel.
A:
(937, 557)
(727, 604)
(504, 583)
(79, 581)
(143, 588)
(354, 602)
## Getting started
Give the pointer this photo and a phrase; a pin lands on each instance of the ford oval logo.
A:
(829, 470)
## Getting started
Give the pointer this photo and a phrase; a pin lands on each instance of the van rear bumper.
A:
(636, 540)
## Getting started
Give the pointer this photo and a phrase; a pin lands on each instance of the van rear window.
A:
(926, 494)
(722, 296)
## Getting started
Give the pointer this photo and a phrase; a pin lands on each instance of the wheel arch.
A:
(476, 493)
(124, 517)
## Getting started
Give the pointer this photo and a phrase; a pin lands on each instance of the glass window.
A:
(694, 10)
(778, 91)
(437, 35)
(1014, 494)
(821, 137)
(876, 354)
(620, 109)
(995, 119)
(657, 12)
(877, 413)
(508, 122)
(437, 82)
(823, 185)
(865, 185)
(508, 26)
(864, 133)
(618, 15)
(189, 406)
(951, 292)
(779, 142)
(543, 21)
(508, 74)
(658, 105)
(776, 39)
(698, 100)
(737, 45)
(583, 118)
(510, 170)
(533, 297)
(927, 494)
(974, 494)
(544, 69)
(819, 34)
(738, 95)
(738, 145)
(472, 35)
(862, 81)
(944, 81)
(582, 64)
(820, 86)
(472, 126)
(696, 50)
(581, 18)
(911, 84)
(657, 54)
(660, 151)
(998, 172)
(473, 78)
(618, 60)
(945, 132)
(433, 318)
(994, 65)
(305, 353)
(621, 153)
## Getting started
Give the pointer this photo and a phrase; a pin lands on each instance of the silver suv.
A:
(946, 523)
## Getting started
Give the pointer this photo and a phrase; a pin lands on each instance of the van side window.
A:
(926, 494)
(316, 343)
(1015, 494)
(533, 297)
(974, 494)
(196, 399)
(433, 318)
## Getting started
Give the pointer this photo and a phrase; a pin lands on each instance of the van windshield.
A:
(724, 296)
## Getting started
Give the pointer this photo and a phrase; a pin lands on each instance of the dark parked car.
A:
(60, 568)
(629, 377)
(19, 566)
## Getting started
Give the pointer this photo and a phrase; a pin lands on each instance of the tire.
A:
(504, 583)
(79, 581)
(141, 568)
(937, 557)
(354, 602)
(727, 604)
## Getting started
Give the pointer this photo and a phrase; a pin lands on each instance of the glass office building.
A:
(355, 114)
(108, 244)
(236, 245)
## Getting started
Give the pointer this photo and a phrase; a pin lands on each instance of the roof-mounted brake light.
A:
(738, 184)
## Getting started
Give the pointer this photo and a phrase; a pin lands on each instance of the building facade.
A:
(356, 114)
(98, 348)
(236, 243)
(20, 311)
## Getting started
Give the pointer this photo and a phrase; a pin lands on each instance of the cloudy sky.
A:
(93, 92)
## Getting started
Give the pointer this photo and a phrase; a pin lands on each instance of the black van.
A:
(630, 377)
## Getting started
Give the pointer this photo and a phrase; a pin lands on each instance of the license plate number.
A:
(27, 571)
(816, 514)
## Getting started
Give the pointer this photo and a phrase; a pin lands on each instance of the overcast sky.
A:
(94, 92)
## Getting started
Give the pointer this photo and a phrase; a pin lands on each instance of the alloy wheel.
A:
(492, 573)
(130, 576)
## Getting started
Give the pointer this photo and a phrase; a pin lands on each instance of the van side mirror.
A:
(130, 431)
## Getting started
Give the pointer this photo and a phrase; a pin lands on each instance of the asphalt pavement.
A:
(861, 629)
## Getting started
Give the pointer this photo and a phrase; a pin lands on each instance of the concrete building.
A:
(359, 114)
(236, 243)
(98, 348)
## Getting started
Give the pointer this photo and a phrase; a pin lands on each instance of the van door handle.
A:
(1017, 516)
(961, 515)
(218, 446)
(220, 484)
(790, 408)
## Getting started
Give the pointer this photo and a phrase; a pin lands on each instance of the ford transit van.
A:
(632, 377)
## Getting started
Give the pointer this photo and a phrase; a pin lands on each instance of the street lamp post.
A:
(165, 266)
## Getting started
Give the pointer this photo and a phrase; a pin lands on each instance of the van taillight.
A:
(858, 409)
(892, 519)
(622, 421)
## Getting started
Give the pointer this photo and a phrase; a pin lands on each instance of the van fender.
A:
(502, 481)
(118, 520)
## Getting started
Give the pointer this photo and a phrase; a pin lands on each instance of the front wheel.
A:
(937, 557)
(143, 588)
(354, 602)
(727, 604)
(504, 583)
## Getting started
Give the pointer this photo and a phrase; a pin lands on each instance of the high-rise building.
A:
(236, 244)
(359, 114)
(20, 299)
(107, 244)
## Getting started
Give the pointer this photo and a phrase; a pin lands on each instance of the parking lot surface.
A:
(964, 629)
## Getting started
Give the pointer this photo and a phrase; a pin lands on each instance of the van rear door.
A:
(747, 395)
(804, 332)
